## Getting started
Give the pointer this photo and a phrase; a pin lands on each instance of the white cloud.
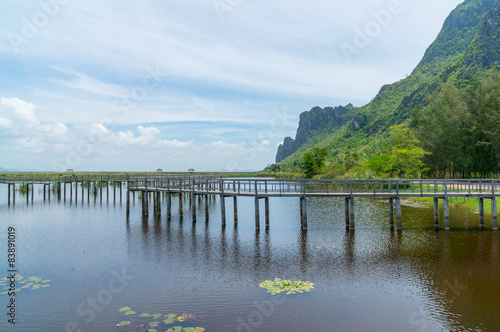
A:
(262, 56)
(21, 112)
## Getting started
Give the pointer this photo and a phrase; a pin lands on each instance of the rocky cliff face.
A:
(467, 46)
(316, 121)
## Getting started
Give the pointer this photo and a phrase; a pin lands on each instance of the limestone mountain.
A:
(468, 45)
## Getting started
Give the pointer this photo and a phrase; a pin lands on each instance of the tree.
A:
(313, 162)
(461, 128)
(405, 156)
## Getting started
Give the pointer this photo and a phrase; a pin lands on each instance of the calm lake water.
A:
(369, 280)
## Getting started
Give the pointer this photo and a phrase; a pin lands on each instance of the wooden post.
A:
(436, 213)
(181, 205)
(235, 205)
(207, 215)
(155, 204)
(158, 202)
(76, 192)
(145, 203)
(114, 189)
(83, 192)
(100, 186)
(8, 195)
(128, 203)
(71, 191)
(14, 193)
(121, 188)
(107, 191)
(27, 193)
(266, 202)
(391, 213)
(347, 204)
(494, 216)
(257, 216)
(223, 210)
(303, 212)
(169, 206)
(481, 213)
(193, 206)
(446, 213)
(351, 214)
(64, 193)
(398, 214)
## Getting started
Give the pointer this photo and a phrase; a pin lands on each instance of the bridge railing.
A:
(282, 187)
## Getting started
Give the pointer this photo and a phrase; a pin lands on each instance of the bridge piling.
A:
(235, 206)
(169, 206)
(351, 214)
(257, 216)
(347, 214)
(391, 214)
(266, 203)
(481, 213)
(398, 214)
(494, 216)
(436, 214)
(128, 203)
(303, 213)
(446, 214)
(223, 210)
(193, 207)
(207, 207)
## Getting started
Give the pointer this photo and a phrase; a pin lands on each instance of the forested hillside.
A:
(464, 53)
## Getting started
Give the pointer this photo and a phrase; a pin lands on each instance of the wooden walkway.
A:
(393, 190)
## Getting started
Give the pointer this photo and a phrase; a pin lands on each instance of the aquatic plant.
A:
(277, 286)
(23, 283)
(24, 188)
(152, 321)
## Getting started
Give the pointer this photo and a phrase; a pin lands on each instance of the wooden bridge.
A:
(393, 190)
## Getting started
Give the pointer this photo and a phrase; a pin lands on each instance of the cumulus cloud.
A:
(19, 123)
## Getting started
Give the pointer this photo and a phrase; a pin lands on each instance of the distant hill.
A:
(468, 45)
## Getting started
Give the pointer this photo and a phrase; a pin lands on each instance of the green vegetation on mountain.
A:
(465, 51)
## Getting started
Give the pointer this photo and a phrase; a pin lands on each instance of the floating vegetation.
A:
(277, 286)
(23, 283)
(151, 321)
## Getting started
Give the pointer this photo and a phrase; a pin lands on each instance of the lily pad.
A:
(189, 329)
(131, 312)
(170, 316)
(124, 323)
(154, 324)
(124, 309)
(156, 316)
(175, 329)
(46, 281)
(199, 329)
(277, 286)
(168, 321)
(46, 285)
(145, 315)
(35, 287)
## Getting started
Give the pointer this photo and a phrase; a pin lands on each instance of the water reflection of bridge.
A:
(434, 262)
(393, 190)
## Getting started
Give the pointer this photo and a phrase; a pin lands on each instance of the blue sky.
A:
(210, 84)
